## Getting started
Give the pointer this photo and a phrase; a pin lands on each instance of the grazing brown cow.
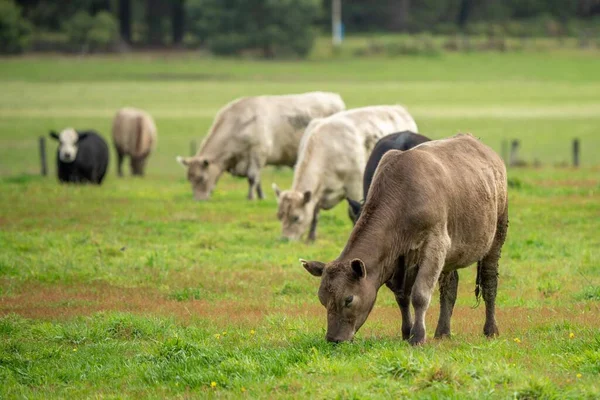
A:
(446, 210)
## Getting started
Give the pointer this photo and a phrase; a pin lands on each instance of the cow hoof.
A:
(491, 331)
(416, 341)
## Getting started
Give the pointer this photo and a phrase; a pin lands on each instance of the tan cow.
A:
(331, 162)
(430, 210)
(134, 135)
(252, 132)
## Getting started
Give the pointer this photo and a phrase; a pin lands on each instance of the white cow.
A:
(331, 161)
(252, 132)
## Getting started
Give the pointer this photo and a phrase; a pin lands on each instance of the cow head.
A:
(202, 173)
(295, 211)
(68, 144)
(346, 294)
(354, 209)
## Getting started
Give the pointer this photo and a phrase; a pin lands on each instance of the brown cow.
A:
(446, 210)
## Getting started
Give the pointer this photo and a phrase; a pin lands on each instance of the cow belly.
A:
(465, 251)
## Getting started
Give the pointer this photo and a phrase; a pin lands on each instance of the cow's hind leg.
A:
(433, 255)
(448, 289)
(488, 270)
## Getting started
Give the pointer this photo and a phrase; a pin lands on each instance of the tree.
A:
(125, 20)
(177, 20)
(269, 27)
(399, 11)
(154, 20)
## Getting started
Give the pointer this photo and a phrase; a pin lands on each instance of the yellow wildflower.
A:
(75, 349)
(578, 375)
(252, 332)
(517, 340)
(213, 384)
(217, 336)
(224, 333)
(571, 335)
(243, 389)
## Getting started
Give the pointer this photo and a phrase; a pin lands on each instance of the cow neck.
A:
(377, 251)
(310, 178)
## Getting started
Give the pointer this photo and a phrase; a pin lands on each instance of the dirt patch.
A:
(64, 302)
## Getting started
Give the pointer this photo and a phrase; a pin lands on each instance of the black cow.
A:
(82, 156)
(396, 141)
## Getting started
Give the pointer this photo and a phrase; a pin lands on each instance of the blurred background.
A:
(289, 28)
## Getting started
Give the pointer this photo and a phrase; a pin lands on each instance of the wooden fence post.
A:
(44, 164)
(514, 152)
(576, 153)
(192, 148)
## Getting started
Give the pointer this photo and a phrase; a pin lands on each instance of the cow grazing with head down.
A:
(134, 135)
(331, 160)
(396, 141)
(252, 132)
(82, 156)
(431, 210)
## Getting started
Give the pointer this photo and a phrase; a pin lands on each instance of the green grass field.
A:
(132, 289)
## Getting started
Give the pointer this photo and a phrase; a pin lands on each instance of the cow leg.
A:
(137, 165)
(251, 187)
(259, 191)
(430, 268)
(488, 270)
(253, 175)
(120, 157)
(401, 284)
(312, 233)
(448, 289)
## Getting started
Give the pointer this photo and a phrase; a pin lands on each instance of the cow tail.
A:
(139, 137)
(478, 288)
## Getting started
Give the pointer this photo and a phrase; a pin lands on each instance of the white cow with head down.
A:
(252, 132)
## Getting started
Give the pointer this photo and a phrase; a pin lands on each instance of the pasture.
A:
(132, 289)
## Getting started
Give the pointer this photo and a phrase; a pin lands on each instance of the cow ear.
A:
(306, 196)
(358, 268)
(184, 161)
(81, 136)
(315, 268)
(54, 135)
(353, 209)
(276, 190)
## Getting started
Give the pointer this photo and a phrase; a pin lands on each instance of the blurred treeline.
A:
(272, 28)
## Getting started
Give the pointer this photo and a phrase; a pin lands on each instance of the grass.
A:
(134, 290)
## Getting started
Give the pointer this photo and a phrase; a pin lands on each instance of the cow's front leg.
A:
(259, 191)
(251, 187)
(430, 268)
(254, 178)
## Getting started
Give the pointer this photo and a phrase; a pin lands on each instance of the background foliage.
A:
(269, 28)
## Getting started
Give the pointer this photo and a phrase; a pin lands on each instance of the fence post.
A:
(192, 148)
(44, 164)
(576, 153)
(514, 152)
(505, 151)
